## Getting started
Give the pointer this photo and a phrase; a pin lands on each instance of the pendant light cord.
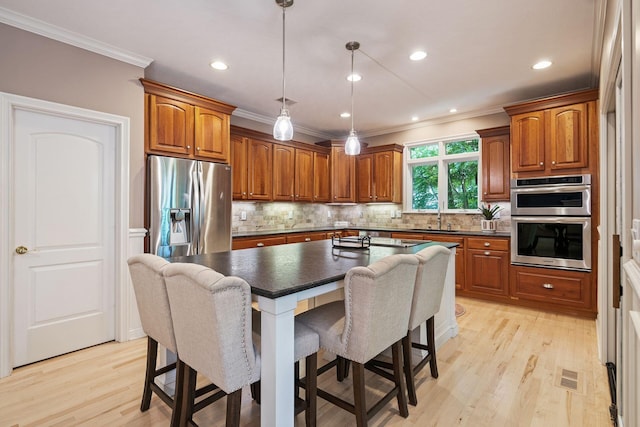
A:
(352, 53)
(284, 8)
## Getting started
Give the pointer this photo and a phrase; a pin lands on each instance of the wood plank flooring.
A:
(503, 369)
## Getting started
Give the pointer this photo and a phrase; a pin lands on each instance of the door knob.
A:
(21, 250)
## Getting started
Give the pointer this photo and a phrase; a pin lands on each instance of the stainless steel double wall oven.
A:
(551, 222)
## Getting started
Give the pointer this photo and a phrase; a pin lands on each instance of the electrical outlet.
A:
(290, 214)
(398, 214)
(328, 214)
(393, 214)
(243, 215)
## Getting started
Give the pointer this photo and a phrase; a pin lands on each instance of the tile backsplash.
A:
(265, 216)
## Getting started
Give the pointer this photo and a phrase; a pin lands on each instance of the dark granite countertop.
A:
(276, 271)
(258, 233)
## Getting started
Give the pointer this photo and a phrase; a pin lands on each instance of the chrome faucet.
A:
(439, 218)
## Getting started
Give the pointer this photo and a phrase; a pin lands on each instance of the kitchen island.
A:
(281, 276)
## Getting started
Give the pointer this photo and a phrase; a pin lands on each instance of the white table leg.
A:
(277, 352)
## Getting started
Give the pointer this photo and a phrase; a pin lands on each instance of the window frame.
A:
(442, 161)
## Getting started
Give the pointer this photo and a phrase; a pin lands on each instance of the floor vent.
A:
(571, 380)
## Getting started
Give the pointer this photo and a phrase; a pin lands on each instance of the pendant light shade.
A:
(283, 129)
(352, 145)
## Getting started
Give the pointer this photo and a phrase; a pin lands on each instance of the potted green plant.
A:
(489, 223)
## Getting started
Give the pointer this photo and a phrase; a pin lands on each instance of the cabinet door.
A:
(304, 172)
(259, 169)
(239, 171)
(343, 176)
(488, 272)
(170, 126)
(567, 138)
(321, 171)
(364, 180)
(383, 177)
(527, 142)
(211, 135)
(495, 168)
(283, 172)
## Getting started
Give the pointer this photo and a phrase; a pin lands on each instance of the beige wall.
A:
(430, 130)
(38, 67)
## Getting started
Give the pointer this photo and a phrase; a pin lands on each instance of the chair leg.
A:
(234, 401)
(179, 395)
(152, 356)
(340, 368)
(255, 391)
(360, 406)
(399, 380)
(296, 380)
(408, 369)
(431, 342)
(311, 392)
(187, 397)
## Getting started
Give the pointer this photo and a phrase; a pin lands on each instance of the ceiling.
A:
(479, 59)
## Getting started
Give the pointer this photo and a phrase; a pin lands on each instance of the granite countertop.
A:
(276, 271)
(258, 233)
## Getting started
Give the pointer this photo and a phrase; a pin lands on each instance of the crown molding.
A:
(53, 32)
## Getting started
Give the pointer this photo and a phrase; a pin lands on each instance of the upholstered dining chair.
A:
(155, 315)
(373, 316)
(213, 326)
(427, 295)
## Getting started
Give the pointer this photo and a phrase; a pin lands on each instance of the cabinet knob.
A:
(487, 244)
(244, 193)
(485, 193)
(188, 146)
(198, 148)
(541, 163)
(307, 239)
(260, 245)
(547, 285)
(251, 194)
(487, 253)
(553, 162)
(371, 197)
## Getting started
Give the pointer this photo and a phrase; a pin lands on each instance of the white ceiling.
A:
(479, 52)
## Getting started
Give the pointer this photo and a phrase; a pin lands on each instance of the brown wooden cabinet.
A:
(495, 163)
(379, 175)
(487, 266)
(283, 172)
(184, 124)
(251, 165)
(257, 242)
(568, 291)
(342, 173)
(554, 136)
(306, 237)
(321, 176)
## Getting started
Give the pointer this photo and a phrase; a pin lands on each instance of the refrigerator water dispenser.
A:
(180, 220)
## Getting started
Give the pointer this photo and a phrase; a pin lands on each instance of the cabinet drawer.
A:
(556, 286)
(307, 237)
(492, 244)
(411, 236)
(258, 242)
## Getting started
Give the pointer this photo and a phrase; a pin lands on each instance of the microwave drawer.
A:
(486, 244)
(548, 285)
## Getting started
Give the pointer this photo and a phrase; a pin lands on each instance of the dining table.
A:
(283, 275)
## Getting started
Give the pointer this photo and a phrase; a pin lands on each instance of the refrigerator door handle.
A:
(196, 204)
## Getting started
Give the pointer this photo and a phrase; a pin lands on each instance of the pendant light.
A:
(283, 129)
(352, 145)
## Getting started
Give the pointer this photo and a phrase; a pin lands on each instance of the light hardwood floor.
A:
(503, 369)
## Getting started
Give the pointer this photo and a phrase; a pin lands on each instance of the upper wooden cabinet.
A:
(495, 163)
(303, 182)
(251, 166)
(321, 173)
(293, 174)
(184, 124)
(379, 174)
(555, 136)
(342, 174)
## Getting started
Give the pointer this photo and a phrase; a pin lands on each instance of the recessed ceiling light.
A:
(345, 115)
(541, 65)
(453, 110)
(355, 77)
(418, 55)
(414, 118)
(219, 65)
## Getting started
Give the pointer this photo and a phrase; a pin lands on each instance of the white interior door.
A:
(63, 217)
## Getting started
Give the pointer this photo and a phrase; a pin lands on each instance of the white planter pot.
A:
(488, 225)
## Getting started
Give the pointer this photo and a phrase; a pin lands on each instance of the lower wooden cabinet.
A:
(488, 266)
(306, 237)
(257, 242)
(569, 291)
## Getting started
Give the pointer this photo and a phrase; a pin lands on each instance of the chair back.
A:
(427, 294)
(152, 299)
(212, 322)
(377, 305)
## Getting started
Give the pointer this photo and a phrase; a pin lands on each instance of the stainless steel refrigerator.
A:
(189, 206)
